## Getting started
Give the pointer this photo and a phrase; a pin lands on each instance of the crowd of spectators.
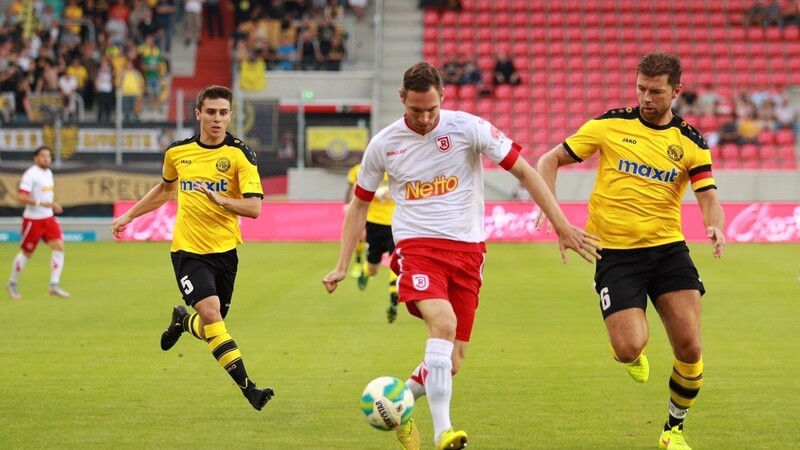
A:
(745, 118)
(773, 13)
(463, 70)
(61, 59)
(295, 35)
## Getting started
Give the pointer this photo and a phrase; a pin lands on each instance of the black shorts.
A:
(379, 241)
(201, 276)
(625, 278)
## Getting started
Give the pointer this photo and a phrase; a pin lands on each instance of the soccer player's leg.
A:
(227, 353)
(391, 312)
(680, 311)
(622, 291)
(55, 239)
(31, 233)
(358, 258)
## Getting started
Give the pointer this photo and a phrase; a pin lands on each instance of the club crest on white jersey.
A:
(444, 144)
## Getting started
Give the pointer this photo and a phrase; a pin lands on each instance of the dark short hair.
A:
(213, 92)
(421, 77)
(40, 149)
(658, 63)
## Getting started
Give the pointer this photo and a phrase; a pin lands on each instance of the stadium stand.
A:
(576, 60)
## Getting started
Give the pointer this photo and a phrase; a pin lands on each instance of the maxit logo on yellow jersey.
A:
(645, 171)
(214, 186)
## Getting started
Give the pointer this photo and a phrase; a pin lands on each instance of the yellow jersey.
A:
(382, 207)
(642, 176)
(230, 169)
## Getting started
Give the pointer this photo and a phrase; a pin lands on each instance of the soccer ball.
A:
(387, 403)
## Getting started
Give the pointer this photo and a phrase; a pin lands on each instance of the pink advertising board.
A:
(503, 222)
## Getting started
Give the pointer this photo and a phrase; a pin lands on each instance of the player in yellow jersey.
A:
(361, 248)
(216, 180)
(379, 240)
(647, 157)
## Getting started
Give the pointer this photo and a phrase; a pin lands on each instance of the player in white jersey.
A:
(36, 192)
(433, 158)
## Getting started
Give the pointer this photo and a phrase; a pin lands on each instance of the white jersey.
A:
(39, 185)
(437, 179)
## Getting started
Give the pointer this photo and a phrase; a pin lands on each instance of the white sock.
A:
(16, 268)
(56, 266)
(439, 383)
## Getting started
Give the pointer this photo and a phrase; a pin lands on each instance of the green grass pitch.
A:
(88, 373)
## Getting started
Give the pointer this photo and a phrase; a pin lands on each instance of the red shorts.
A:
(34, 230)
(438, 268)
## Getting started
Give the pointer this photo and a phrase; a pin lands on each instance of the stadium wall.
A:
(572, 185)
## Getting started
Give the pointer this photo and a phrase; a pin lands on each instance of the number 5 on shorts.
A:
(187, 285)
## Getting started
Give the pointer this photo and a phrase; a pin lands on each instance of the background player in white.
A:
(36, 192)
(433, 159)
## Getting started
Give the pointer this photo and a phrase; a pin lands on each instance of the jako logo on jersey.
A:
(646, 171)
(214, 186)
(629, 140)
(186, 161)
(421, 282)
(443, 142)
(439, 186)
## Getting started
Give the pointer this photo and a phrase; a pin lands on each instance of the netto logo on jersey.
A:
(214, 186)
(645, 171)
(439, 186)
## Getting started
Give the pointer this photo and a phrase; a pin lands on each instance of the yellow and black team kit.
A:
(642, 176)
(379, 236)
(204, 242)
(635, 207)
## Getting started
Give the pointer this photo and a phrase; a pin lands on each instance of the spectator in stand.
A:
(359, 8)
(244, 11)
(504, 70)
(766, 114)
(785, 115)
(151, 61)
(117, 25)
(213, 13)
(163, 15)
(308, 50)
(48, 81)
(104, 90)
(749, 128)
(68, 87)
(334, 12)
(729, 131)
(22, 101)
(755, 15)
(192, 21)
(73, 14)
(286, 53)
(48, 16)
(77, 70)
(334, 53)
(772, 14)
(790, 13)
(451, 72)
(131, 83)
(252, 71)
(470, 74)
(707, 100)
(140, 12)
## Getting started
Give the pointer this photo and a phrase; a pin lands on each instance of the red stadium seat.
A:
(729, 152)
(504, 91)
(784, 137)
(749, 152)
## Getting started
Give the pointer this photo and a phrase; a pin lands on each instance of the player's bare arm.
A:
(354, 221)
(547, 167)
(245, 207)
(713, 219)
(160, 194)
(569, 237)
